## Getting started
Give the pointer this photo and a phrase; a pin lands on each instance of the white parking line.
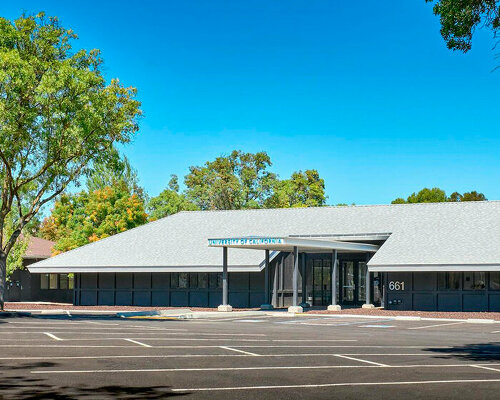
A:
(190, 339)
(335, 385)
(486, 367)
(239, 351)
(227, 355)
(139, 343)
(240, 346)
(360, 360)
(436, 325)
(114, 371)
(50, 335)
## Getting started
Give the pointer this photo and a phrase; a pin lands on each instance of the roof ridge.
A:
(441, 203)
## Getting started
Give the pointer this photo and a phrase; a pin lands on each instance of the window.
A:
(474, 280)
(449, 280)
(216, 280)
(495, 280)
(202, 280)
(71, 281)
(63, 281)
(52, 281)
(193, 281)
(174, 280)
(183, 280)
(44, 281)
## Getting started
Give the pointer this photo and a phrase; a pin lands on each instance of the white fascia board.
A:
(331, 245)
(434, 268)
(94, 269)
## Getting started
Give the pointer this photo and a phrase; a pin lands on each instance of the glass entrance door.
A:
(321, 282)
(352, 282)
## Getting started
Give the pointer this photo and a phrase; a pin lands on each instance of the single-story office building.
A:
(439, 256)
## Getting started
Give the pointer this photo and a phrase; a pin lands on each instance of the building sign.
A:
(245, 241)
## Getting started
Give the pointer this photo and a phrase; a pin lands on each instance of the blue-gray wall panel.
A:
(449, 302)
(424, 301)
(88, 297)
(106, 298)
(142, 298)
(179, 299)
(159, 299)
(123, 297)
(124, 280)
(475, 302)
(107, 281)
(198, 299)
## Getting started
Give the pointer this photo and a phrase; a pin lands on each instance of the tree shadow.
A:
(471, 352)
(34, 388)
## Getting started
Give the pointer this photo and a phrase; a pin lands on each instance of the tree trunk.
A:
(3, 278)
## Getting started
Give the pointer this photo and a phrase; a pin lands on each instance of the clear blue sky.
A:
(365, 92)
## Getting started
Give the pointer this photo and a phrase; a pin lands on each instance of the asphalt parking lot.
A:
(265, 357)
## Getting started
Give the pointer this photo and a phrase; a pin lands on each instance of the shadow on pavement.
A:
(472, 352)
(27, 387)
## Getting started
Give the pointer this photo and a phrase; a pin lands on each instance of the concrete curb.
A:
(480, 321)
(393, 317)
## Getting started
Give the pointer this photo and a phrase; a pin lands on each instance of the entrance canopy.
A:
(289, 243)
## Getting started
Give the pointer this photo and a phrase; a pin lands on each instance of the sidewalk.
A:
(64, 308)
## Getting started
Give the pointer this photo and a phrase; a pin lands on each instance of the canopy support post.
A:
(225, 295)
(295, 308)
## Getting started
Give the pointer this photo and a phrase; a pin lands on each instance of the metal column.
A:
(304, 303)
(334, 277)
(267, 278)
(224, 277)
(224, 306)
(275, 285)
(368, 285)
(295, 276)
(335, 266)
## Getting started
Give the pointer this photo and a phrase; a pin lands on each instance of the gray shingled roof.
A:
(437, 234)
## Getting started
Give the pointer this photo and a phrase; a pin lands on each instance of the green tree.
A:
(436, 195)
(237, 181)
(426, 195)
(303, 189)
(87, 217)
(169, 202)
(467, 196)
(111, 172)
(460, 18)
(57, 116)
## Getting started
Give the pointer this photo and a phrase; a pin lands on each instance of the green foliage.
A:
(113, 172)
(436, 195)
(15, 256)
(169, 202)
(303, 189)
(57, 116)
(467, 196)
(90, 216)
(234, 182)
(460, 18)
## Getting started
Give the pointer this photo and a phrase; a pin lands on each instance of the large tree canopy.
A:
(57, 115)
(303, 189)
(460, 18)
(237, 181)
(87, 217)
(436, 195)
(169, 202)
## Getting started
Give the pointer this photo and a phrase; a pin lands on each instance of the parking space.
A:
(268, 357)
